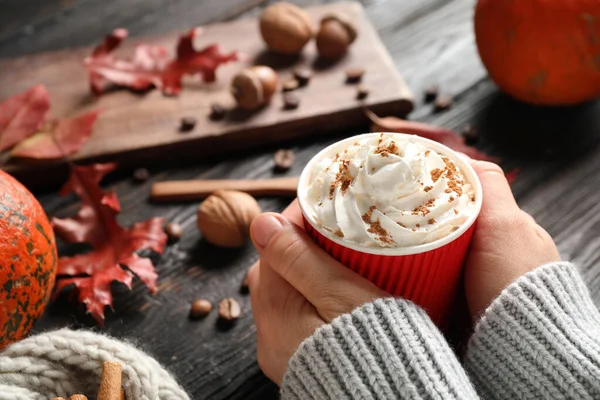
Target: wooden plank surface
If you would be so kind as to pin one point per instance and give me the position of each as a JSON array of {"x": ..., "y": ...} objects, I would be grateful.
[
  {"x": 134, "y": 128},
  {"x": 431, "y": 41}
]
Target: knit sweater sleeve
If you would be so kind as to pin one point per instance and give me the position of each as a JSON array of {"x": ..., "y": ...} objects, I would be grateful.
[
  {"x": 387, "y": 349},
  {"x": 540, "y": 339}
]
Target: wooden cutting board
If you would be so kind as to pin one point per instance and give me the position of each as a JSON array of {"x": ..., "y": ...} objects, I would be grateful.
[{"x": 142, "y": 129}]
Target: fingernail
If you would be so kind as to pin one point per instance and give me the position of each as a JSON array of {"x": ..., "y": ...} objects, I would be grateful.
[{"x": 263, "y": 228}]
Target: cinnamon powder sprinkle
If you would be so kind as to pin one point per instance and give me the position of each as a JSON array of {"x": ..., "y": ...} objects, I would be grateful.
[
  {"x": 455, "y": 187},
  {"x": 427, "y": 152},
  {"x": 418, "y": 225},
  {"x": 450, "y": 165},
  {"x": 391, "y": 148},
  {"x": 338, "y": 233},
  {"x": 455, "y": 211},
  {"x": 422, "y": 209},
  {"x": 375, "y": 227},
  {"x": 451, "y": 199},
  {"x": 436, "y": 173},
  {"x": 342, "y": 178},
  {"x": 427, "y": 188},
  {"x": 431, "y": 221},
  {"x": 381, "y": 233}
]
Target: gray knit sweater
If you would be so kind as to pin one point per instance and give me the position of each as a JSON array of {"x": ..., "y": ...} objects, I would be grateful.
[{"x": 540, "y": 339}]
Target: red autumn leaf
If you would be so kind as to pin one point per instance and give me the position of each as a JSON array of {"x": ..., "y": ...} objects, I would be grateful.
[
  {"x": 114, "y": 256},
  {"x": 441, "y": 135},
  {"x": 21, "y": 115},
  {"x": 151, "y": 66},
  {"x": 58, "y": 138},
  {"x": 189, "y": 61},
  {"x": 140, "y": 73}
]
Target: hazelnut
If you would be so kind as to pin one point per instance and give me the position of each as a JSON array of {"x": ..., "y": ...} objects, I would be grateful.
[
  {"x": 335, "y": 35},
  {"x": 285, "y": 28},
  {"x": 224, "y": 218},
  {"x": 254, "y": 87}
]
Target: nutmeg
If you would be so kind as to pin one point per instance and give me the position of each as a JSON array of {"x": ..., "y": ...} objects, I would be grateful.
[
  {"x": 286, "y": 28},
  {"x": 224, "y": 218},
  {"x": 254, "y": 86},
  {"x": 335, "y": 35}
]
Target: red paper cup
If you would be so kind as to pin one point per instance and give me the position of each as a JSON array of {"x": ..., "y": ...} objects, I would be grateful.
[{"x": 427, "y": 274}]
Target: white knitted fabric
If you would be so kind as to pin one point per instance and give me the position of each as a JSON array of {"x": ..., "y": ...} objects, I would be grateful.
[{"x": 65, "y": 362}]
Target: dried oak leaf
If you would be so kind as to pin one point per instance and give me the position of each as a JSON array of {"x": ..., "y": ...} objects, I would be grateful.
[
  {"x": 57, "y": 138},
  {"x": 441, "y": 135},
  {"x": 21, "y": 115},
  {"x": 151, "y": 65},
  {"x": 114, "y": 256}
]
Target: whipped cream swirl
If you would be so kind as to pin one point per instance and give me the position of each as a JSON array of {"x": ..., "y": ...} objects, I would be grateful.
[{"x": 389, "y": 190}]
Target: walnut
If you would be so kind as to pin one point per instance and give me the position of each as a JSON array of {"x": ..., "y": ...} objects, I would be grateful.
[
  {"x": 335, "y": 35},
  {"x": 224, "y": 218},
  {"x": 285, "y": 28},
  {"x": 254, "y": 86}
]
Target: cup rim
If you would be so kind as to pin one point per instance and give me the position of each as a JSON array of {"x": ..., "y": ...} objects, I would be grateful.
[{"x": 464, "y": 166}]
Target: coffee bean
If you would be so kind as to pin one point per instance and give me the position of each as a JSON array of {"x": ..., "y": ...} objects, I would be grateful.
[
  {"x": 442, "y": 103},
  {"x": 290, "y": 84},
  {"x": 173, "y": 231},
  {"x": 290, "y": 101},
  {"x": 244, "y": 288},
  {"x": 302, "y": 75},
  {"x": 431, "y": 93},
  {"x": 187, "y": 124},
  {"x": 284, "y": 159},
  {"x": 217, "y": 112},
  {"x": 200, "y": 308},
  {"x": 229, "y": 309},
  {"x": 470, "y": 134},
  {"x": 354, "y": 75},
  {"x": 141, "y": 175},
  {"x": 362, "y": 92}
]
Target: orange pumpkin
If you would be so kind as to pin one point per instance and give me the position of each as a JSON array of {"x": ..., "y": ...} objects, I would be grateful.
[
  {"x": 27, "y": 260},
  {"x": 539, "y": 51}
]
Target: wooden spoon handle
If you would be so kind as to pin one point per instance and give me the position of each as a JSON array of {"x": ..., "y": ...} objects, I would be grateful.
[{"x": 198, "y": 189}]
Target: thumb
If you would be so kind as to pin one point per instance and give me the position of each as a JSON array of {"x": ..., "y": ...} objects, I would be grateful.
[
  {"x": 497, "y": 195},
  {"x": 326, "y": 283}
]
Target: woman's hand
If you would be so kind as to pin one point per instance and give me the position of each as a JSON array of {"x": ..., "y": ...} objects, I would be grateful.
[
  {"x": 507, "y": 242},
  {"x": 295, "y": 288}
]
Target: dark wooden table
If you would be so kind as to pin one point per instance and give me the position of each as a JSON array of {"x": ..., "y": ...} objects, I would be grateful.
[{"x": 431, "y": 41}]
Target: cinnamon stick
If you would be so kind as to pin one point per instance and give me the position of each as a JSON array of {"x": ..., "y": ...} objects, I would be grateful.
[
  {"x": 198, "y": 189},
  {"x": 110, "y": 385}
]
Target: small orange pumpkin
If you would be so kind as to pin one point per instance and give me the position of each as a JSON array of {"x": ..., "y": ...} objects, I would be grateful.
[
  {"x": 28, "y": 260},
  {"x": 539, "y": 51}
]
